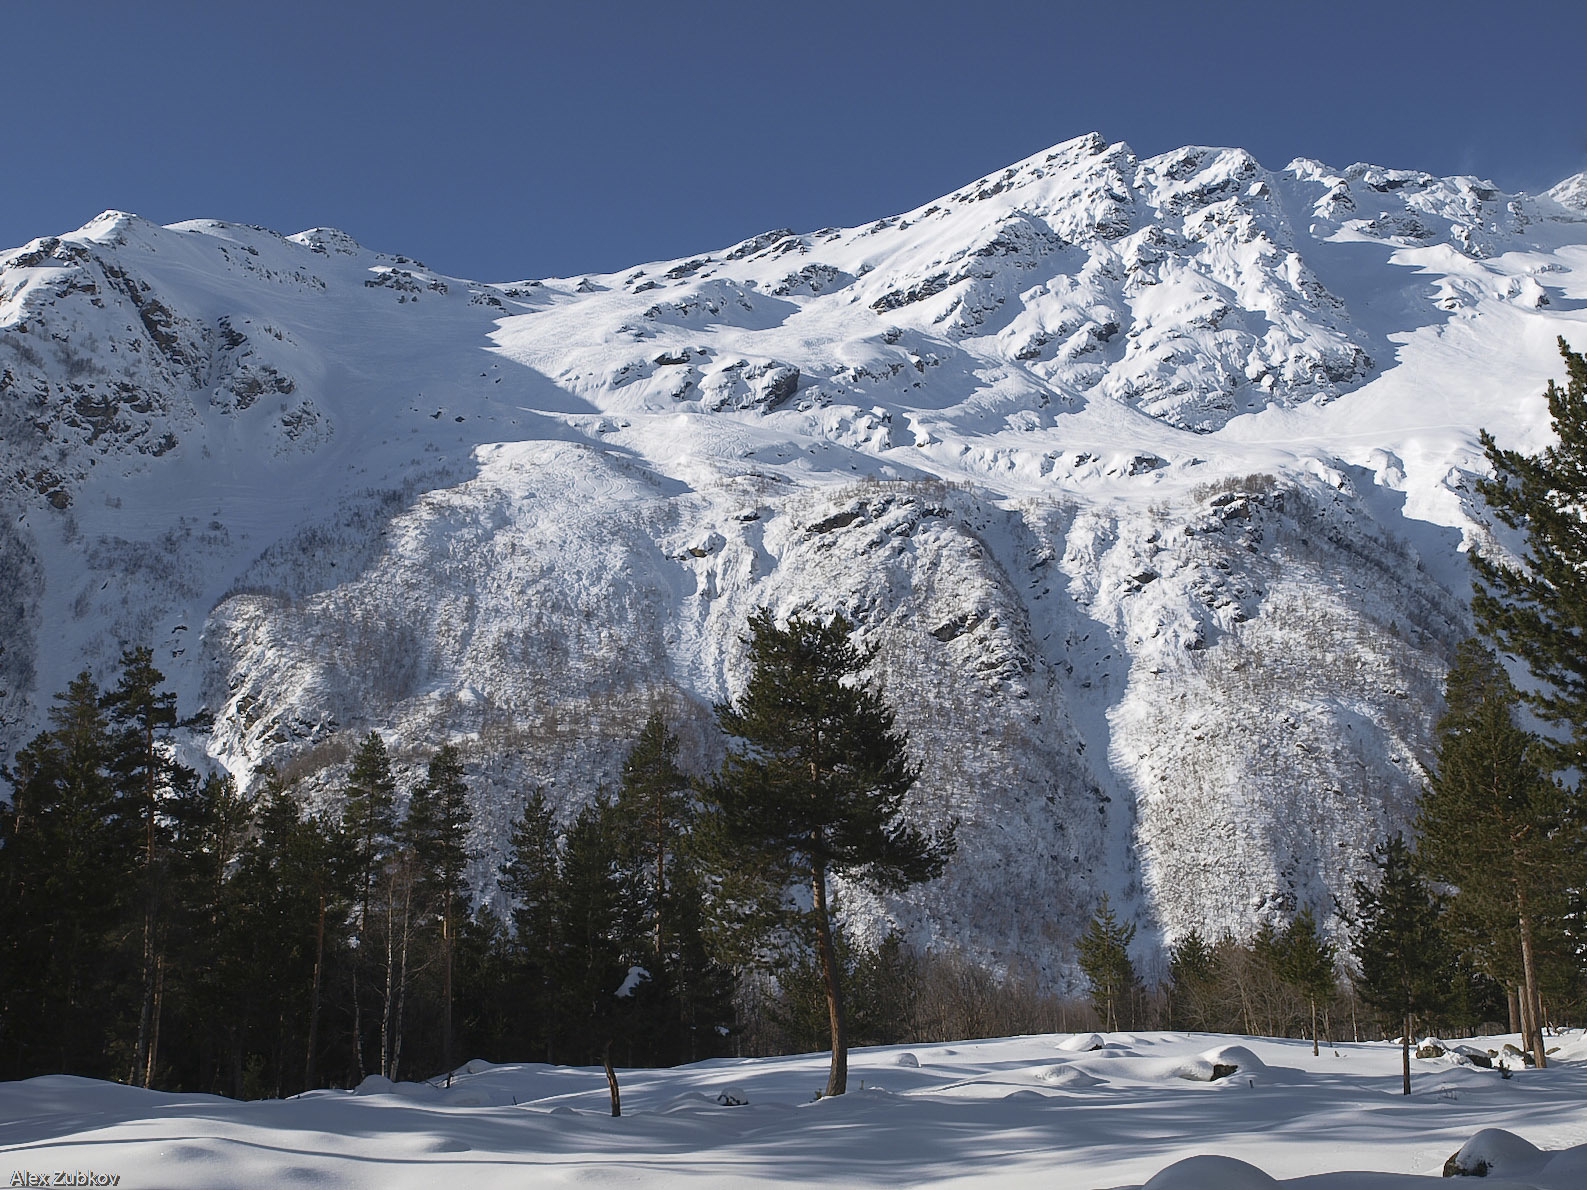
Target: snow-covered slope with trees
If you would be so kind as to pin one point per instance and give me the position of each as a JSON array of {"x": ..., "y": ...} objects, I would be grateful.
[{"x": 1150, "y": 477}]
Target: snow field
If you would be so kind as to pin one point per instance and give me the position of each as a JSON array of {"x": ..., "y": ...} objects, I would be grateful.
[{"x": 1085, "y": 1112}]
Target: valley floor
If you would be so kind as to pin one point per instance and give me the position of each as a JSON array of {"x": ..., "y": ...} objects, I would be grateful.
[{"x": 1026, "y": 1111}]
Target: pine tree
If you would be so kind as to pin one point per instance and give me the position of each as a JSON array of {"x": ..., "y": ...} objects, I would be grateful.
[
  {"x": 1399, "y": 945},
  {"x": 294, "y": 889},
  {"x": 1105, "y": 960},
  {"x": 1537, "y": 611},
  {"x": 598, "y": 930},
  {"x": 369, "y": 822},
  {"x": 530, "y": 880},
  {"x": 1306, "y": 963},
  {"x": 677, "y": 1012},
  {"x": 436, "y": 830},
  {"x": 142, "y": 716},
  {"x": 1495, "y": 827},
  {"x": 654, "y": 812},
  {"x": 1192, "y": 973},
  {"x": 66, "y": 869},
  {"x": 814, "y": 786}
]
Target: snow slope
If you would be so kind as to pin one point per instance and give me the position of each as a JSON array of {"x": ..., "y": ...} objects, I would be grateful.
[
  {"x": 1152, "y": 477},
  {"x": 1080, "y": 1111}
]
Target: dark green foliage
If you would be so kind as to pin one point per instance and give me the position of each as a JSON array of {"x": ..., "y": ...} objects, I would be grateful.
[
  {"x": 675, "y": 1014},
  {"x": 65, "y": 859},
  {"x": 530, "y": 879},
  {"x": 817, "y": 777},
  {"x": 1406, "y": 968},
  {"x": 1305, "y": 961},
  {"x": 436, "y": 831},
  {"x": 1105, "y": 960},
  {"x": 369, "y": 823},
  {"x": 1496, "y": 828},
  {"x": 882, "y": 986},
  {"x": 1538, "y": 610},
  {"x": 595, "y": 918},
  {"x": 369, "y": 815},
  {"x": 1192, "y": 972},
  {"x": 813, "y": 786}
]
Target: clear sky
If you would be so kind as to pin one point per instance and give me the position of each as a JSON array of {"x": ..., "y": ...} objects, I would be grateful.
[{"x": 499, "y": 140}]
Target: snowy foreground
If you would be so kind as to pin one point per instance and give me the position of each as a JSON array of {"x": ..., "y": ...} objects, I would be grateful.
[{"x": 1049, "y": 1111}]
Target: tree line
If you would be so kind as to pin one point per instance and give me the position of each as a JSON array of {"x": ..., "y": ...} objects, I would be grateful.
[{"x": 162, "y": 929}]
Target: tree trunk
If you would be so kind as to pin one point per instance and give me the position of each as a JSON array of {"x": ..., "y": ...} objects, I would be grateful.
[
  {"x": 358, "y": 1021},
  {"x": 446, "y": 987},
  {"x": 611, "y": 1082},
  {"x": 838, "y": 1079},
  {"x": 1405, "y": 1053},
  {"x": 314, "y": 998},
  {"x": 1526, "y": 1017},
  {"x": 1314, "y": 1026},
  {"x": 154, "y": 1024},
  {"x": 402, "y": 980},
  {"x": 390, "y": 995},
  {"x": 1529, "y": 966},
  {"x": 1515, "y": 1008}
]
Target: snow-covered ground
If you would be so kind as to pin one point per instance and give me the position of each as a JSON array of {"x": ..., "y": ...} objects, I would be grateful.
[{"x": 1066, "y": 1110}]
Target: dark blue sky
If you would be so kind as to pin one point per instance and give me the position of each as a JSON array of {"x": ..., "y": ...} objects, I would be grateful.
[{"x": 502, "y": 140}]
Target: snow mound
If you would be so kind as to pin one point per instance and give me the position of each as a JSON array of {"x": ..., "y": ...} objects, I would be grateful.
[
  {"x": 377, "y": 1084},
  {"x": 1065, "y": 1076},
  {"x": 1081, "y": 1042},
  {"x": 1494, "y": 1151},
  {"x": 1203, "y": 1070},
  {"x": 907, "y": 1059},
  {"x": 1234, "y": 1055},
  {"x": 1210, "y": 1173}
]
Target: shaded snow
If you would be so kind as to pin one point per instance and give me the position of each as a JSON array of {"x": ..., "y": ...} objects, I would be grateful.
[{"x": 1036, "y": 1111}]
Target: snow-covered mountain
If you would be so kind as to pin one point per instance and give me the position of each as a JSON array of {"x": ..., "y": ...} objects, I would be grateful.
[{"x": 1152, "y": 478}]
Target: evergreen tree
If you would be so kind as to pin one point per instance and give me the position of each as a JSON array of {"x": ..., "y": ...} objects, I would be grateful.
[
  {"x": 687, "y": 995},
  {"x": 148, "y": 780},
  {"x": 1494, "y": 826},
  {"x": 530, "y": 880},
  {"x": 1306, "y": 963},
  {"x": 369, "y": 815},
  {"x": 437, "y": 829},
  {"x": 1538, "y": 610},
  {"x": 814, "y": 786},
  {"x": 598, "y": 929},
  {"x": 293, "y": 891},
  {"x": 654, "y": 811},
  {"x": 1105, "y": 960},
  {"x": 65, "y": 870},
  {"x": 1399, "y": 945},
  {"x": 369, "y": 822},
  {"x": 1192, "y": 973}
]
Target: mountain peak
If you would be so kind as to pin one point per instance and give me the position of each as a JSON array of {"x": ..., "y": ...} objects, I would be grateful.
[{"x": 1571, "y": 192}]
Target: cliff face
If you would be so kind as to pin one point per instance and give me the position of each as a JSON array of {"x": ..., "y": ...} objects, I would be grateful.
[{"x": 1151, "y": 478}]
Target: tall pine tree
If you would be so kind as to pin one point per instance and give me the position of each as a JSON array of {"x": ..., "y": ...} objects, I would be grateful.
[
  {"x": 149, "y": 780},
  {"x": 1105, "y": 960},
  {"x": 814, "y": 786},
  {"x": 66, "y": 865},
  {"x": 1537, "y": 610},
  {"x": 1399, "y": 945},
  {"x": 369, "y": 820},
  {"x": 1306, "y": 963},
  {"x": 1494, "y": 826},
  {"x": 437, "y": 831},
  {"x": 530, "y": 879}
]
